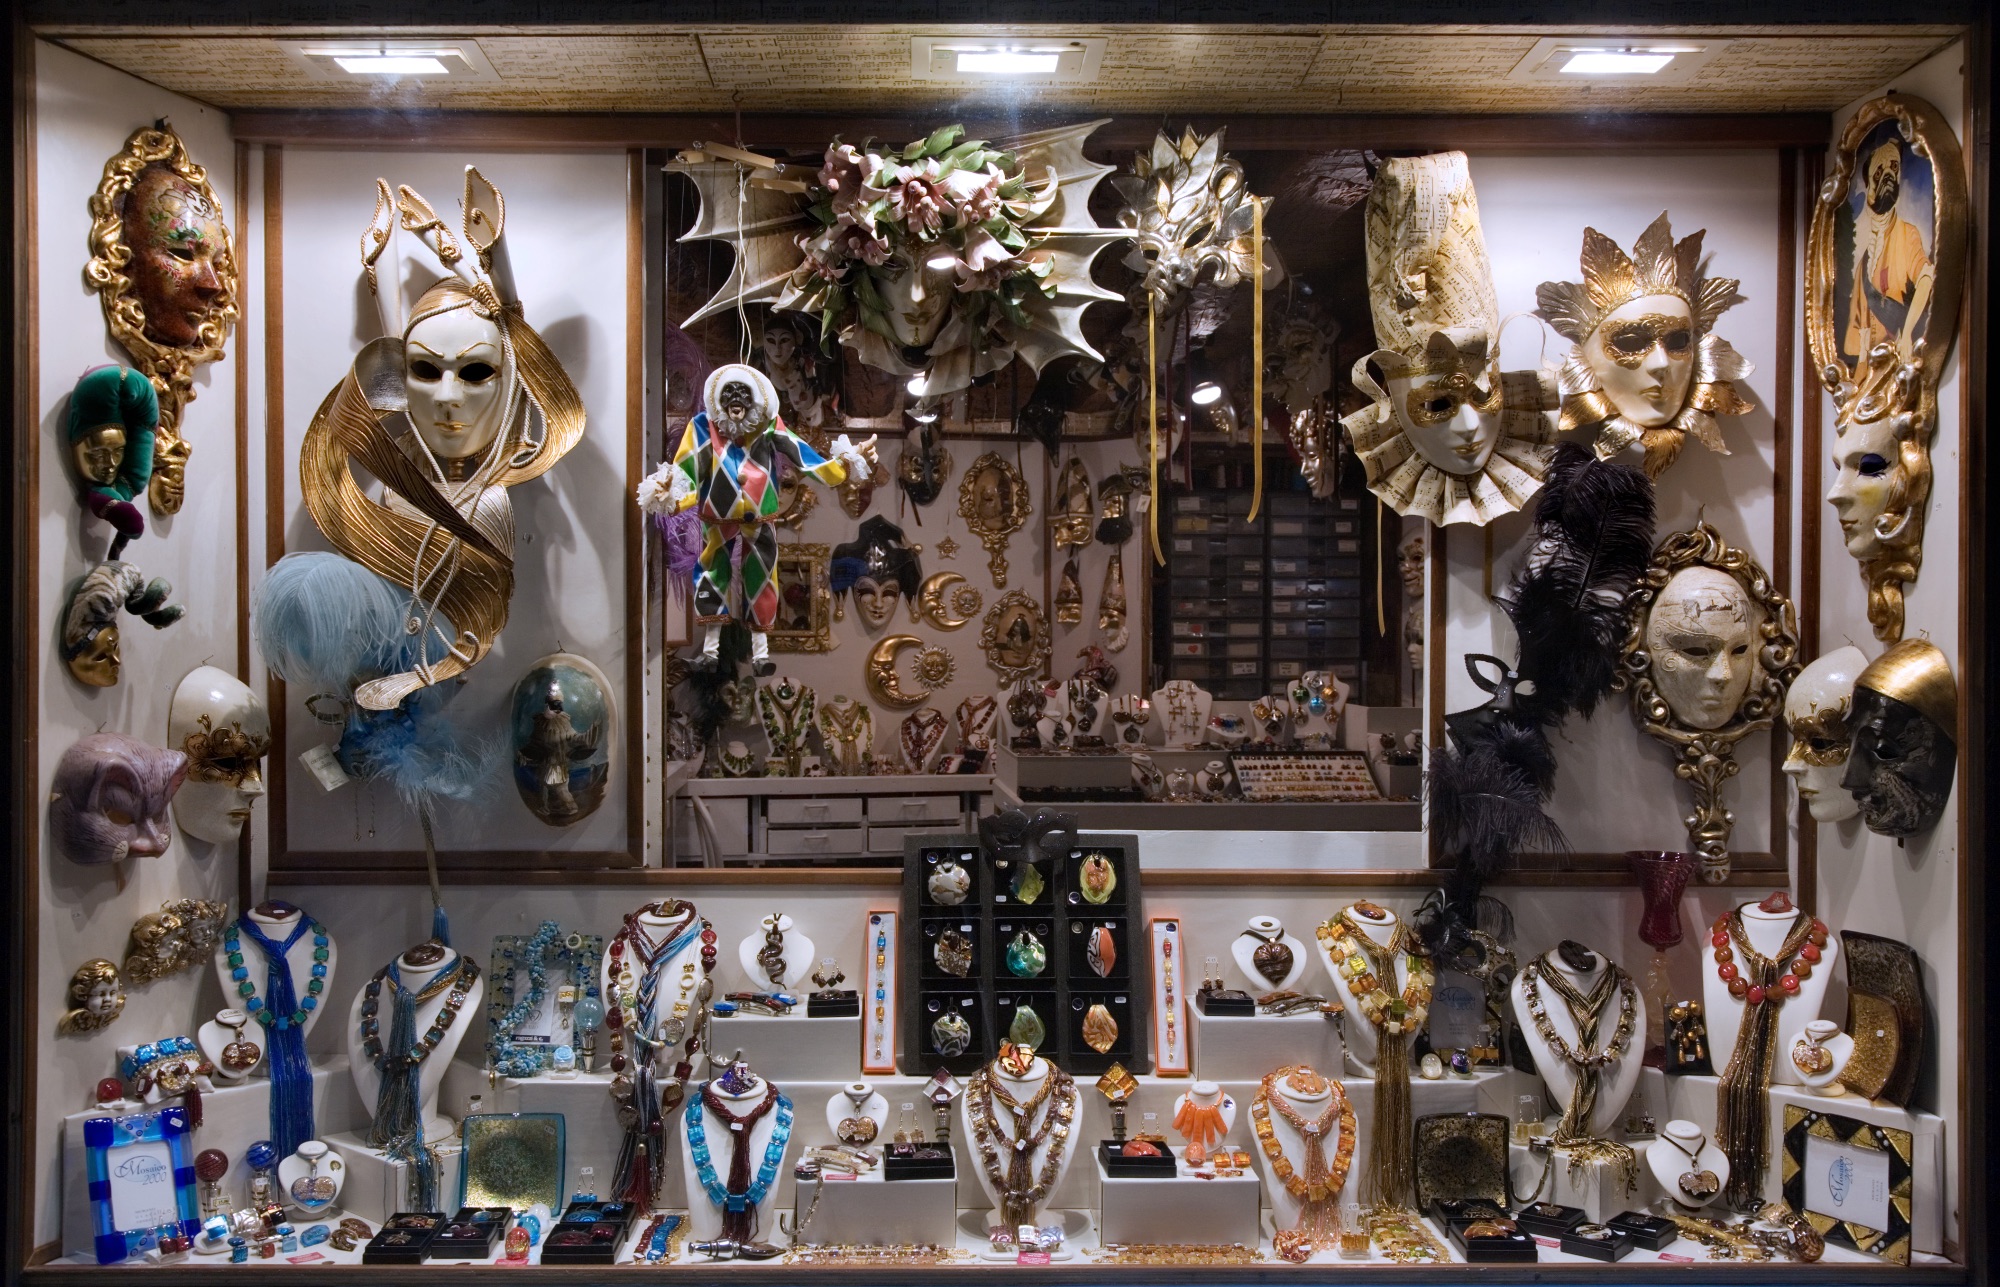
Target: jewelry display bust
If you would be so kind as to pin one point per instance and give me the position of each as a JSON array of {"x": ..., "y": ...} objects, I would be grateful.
[
  {"x": 277, "y": 921},
  {"x": 1268, "y": 957},
  {"x": 233, "y": 1043},
  {"x": 1203, "y": 1116},
  {"x": 855, "y": 1113},
  {"x": 739, "y": 1110},
  {"x": 678, "y": 972},
  {"x": 310, "y": 1180},
  {"x": 1817, "y": 1053},
  {"x": 418, "y": 967},
  {"x": 1690, "y": 1167},
  {"x": 1592, "y": 976},
  {"x": 1047, "y": 1100},
  {"x": 791, "y": 947},
  {"x": 1182, "y": 708},
  {"x": 1765, "y": 925},
  {"x": 1381, "y": 927},
  {"x": 1302, "y": 1183}
]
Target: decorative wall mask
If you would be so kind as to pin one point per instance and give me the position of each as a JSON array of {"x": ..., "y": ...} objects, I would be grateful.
[
  {"x": 805, "y": 600},
  {"x": 1190, "y": 211},
  {"x": 808, "y": 399},
  {"x": 110, "y": 424},
  {"x": 163, "y": 267},
  {"x": 923, "y": 467},
  {"x": 180, "y": 936},
  {"x": 1905, "y": 749},
  {"x": 993, "y": 501},
  {"x": 1885, "y": 264},
  {"x": 96, "y": 997},
  {"x": 1069, "y": 594},
  {"x": 1446, "y": 435},
  {"x": 946, "y": 601},
  {"x": 1015, "y": 638},
  {"x": 880, "y": 567},
  {"x": 563, "y": 727},
  {"x": 1114, "y": 504},
  {"x": 109, "y": 799},
  {"x": 90, "y": 634},
  {"x": 450, "y": 408},
  {"x": 1111, "y": 603},
  {"x": 1648, "y": 367},
  {"x": 225, "y": 732},
  {"x": 947, "y": 258},
  {"x": 1818, "y": 710},
  {"x": 1071, "y": 512},
  {"x": 1710, "y": 648},
  {"x": 884, "y": 683}
]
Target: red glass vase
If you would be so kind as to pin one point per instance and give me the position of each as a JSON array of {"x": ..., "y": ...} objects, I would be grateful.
[{"x": 1662, "y": 876}]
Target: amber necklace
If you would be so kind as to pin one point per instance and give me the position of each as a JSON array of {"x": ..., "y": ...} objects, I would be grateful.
[{"x": 1018, "y": 1194}]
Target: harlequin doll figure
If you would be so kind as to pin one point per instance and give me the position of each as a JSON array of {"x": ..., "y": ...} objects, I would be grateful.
[
  {"x": 727, "y": 464},
  {"x": 113, "y": 415}
]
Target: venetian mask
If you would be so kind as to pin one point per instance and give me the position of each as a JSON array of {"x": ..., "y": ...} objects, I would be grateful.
[
  {"x": 1905, "y": 750},
  {"x": 1642, "y": 354},
  {"x": 1702, "y": 635},
  {"x": 876, "y": 601},
  {"x": 179, "y": 255},
  {"x": 881, "y": 569},
  {"x": 452, "y": 367},
  {"x": 109, "y": 799},
  {"x": 90, "y": 635},
  {"x": 561, "y": 723},
  {"x": 1449, "y": 409},
  {"x": 99, "y": 453},
  {"x": 223, "y": 729},
  {"x": 1817, "y": 710},
  {"x": 741, "y": 403},
  {"x": 169, "y": 486}
]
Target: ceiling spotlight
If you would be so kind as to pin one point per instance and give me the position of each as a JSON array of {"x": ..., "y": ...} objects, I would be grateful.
[
  {"x": 987, "y": 61},
  {"x": 391, "y": 65},
  {"x": 1571, "y": 59},
  {"x": 1207, "y": 393},
  {"x": 1615, "y": 62},
  {"x": 917, "y": 383},
  {"x": 924, "y": 417},
  {"x": 1007, "y": 62}
]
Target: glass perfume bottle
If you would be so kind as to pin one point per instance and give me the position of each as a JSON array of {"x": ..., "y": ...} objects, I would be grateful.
[
  {"x": 262, "y": 1157},
  {"x": 1354, "y": 1239}
]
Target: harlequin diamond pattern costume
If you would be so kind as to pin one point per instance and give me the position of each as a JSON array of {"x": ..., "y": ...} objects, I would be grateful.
[{"x": 727, "y": 464}]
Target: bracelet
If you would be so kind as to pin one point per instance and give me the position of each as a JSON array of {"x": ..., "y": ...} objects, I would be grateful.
[{"x": 1807, "y": 1243}]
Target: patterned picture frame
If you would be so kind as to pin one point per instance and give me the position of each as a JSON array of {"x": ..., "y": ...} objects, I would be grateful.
[
  {"x": 803, "y": 576},
  {"x": 126, "y": 1161},
  {"x": 1897, "y": 1146}
]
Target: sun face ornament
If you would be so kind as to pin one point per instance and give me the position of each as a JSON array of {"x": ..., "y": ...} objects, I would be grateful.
[{"x": 1648, "y": 369}]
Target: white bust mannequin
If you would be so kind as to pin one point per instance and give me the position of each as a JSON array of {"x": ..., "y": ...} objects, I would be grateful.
[
  {"x": 1816, "y": 710},
  {"x": 416, "y": 973},
  {"x": 799, "y": 955},
  {"x": 679, "y": 973},
  {"x": 1022, "y": 1088},
  {"x": 857, "y": 1100},
  {"x": 308, "y": 1201},
  {"x": 1766, "y": 931},
  {"x": 1320, "y": 725},
  {"x": 1616, "y": 1082},
  {"x": 1363, "y": 1039},
  {"x": 1311, "y": 1106},
  {"x": 227, "y": 1028},
  {"x": 1208, "y": 1094},
  {"x": 276, "y": 921},
  {"x": 1825, "y": 1034},
  {"x": 1262, "y": 930},
  {"x": 226, "y": 732},
  {"x": 1180, "y": 708},
  {"x": 1680, "y": 1149},
  {"x": 704, "y": 1217}
]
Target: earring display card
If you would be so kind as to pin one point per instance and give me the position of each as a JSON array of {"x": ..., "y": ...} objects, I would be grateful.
[{"x": 1047, "y": 955}]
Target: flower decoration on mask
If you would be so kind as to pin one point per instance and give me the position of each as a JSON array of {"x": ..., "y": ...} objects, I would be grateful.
[
  {"x": 1446, "y": 435},
  {"x": 450, "y": 408},
  {"x": 880, "y": 568},
  {"x": 164, "y": 269},
  {"x": 112, "y": 418},
  {"x": 1648, "y": 367},
  {"x": 90, "y": 636}
]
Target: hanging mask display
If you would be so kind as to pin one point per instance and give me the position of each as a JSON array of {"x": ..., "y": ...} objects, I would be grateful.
[
  {"x": 109, "y": 799},
  {"x": 946, "y": 601},
  {"x": 90, "y": 636},
  {"x": 886, "y": 684},
  {"x": 562, "y": 723},
  {"x": 1818, "y": 713},
  {"x": 164, "y": 270},
  {"x": 1111, "y": 604},
  {"x": 993, "y": 501},
  {"x": 880, "y": 568},
  {"x": 1710, "y": 648},
  {"x": 1069, "y": 594},
  {"x": 1446, "y": 436},
  {"x": 1648, "y": 368},
  {"x": 110, "y": 423},
  {"x": 1905, "y": 748},
  {"x": 923, "y": 467},
  {"x": 225, "y": 732},
  {"x": 1070, "y": 508}
]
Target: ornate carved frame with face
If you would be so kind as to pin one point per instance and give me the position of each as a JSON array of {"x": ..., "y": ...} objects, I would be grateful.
[
  {"x": 1015, "y": 637},
  {"x": 164, "y": 268},
  {"x": 993, "y": 501},
  {"x": 804, "y": 595},
  {"x": 1672, "y": 710},
  {"x": 1885, "y": 397}
]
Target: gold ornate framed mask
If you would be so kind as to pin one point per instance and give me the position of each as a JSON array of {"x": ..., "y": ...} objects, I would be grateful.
[
  {"x": 164, "y": 269},
  {"x": 993, "y": 501},
  {"x": 1015, "y": 638},
  {"x": 805, "y": 600},
  {"x": 1885, "y": 266},
  {"x": 1710, "y": 647}
]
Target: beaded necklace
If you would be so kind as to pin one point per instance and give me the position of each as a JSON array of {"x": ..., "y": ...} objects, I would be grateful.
[
  {"x": 1367, "y": 969},
  {"x": 459, "y": 977},
  {"x": 291, "y": 1070},
  {"x": 1019, "y": 1198},
  {"x": 641, "y": 1103},
  {"x": 740, "y": 1198},
  {"x": 1763, "y": 984},
  {"x": 274, "y": 954},
  {"x": 1587, "y": 1012},
  {"x": 1319, "y": 1220}
]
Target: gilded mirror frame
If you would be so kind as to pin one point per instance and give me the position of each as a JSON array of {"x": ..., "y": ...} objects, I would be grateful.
[
  {"x": 994, "y": 533},
  {"x": 1011, "y": 606},
  {"x": 812, "y": 566}
]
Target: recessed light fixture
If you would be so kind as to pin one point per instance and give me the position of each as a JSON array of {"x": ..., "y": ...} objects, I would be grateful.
[
  {"x": 1579, "y": 59},
  {"x": 383, "y": 62},
  {"x": 391, "y": 64},
  {"x": 1003, "y": 60}
]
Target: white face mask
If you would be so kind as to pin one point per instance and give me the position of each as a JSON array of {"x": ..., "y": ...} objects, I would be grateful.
[
  {"x": 225, "y": 732},
  {"x": 1444, "y": 423},
  {"x": 1817, "y": 706},
  {"x": 1642, "y": 354},
  {"x": 1867, "y": 463},
  {"x": 452, "y": 368},
  {"x": 876, "y": 600},
  {"x": 1702, "y": 633}
]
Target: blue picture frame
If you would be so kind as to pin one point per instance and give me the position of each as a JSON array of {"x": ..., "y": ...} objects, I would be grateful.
[{"x": 126, "y": 1160}]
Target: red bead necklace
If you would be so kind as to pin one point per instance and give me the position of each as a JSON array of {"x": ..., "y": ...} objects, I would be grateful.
[{"x": 1798, "y": 955}]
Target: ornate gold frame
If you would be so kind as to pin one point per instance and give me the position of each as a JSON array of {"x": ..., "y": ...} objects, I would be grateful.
[
  {"x": 1708, "y": 756},
  {"x": 1889, "y": 387},
  {"x": 817, "y": 560},
  {"x": 170, "y": 369},
  {"x": 1004, "y": 609},
  {"x": 994, "y": 536}
]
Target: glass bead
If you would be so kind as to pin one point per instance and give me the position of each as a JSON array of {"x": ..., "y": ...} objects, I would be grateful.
[
  {"x": 1720, "y": 938},
  {"x": 1789, "y": 984},
  {"x": 236, "y": 958},
  {"x": 321, "y": 954},
  {"x": 1737, "y": 988},
  {"x": 1809, "y": 953},
  {"x": 319, "y": 971},
  {"x": 1728, "y": 972},
  {"x": 1755, "y": 995},
  {"x": 245, "y": 990},
  {"x": 239, "y": 974}
]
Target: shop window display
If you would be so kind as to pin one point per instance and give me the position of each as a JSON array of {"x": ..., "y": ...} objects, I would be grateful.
[{"x": 1326, "y": 529}]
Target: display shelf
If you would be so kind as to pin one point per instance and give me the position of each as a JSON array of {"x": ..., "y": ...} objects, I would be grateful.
[
  {"x": 869, "y": 1210},
  {"x": 1229, "y": 815},
  {"x": 1181, "y": 1208},
  {"x": 823, "y": 821}
]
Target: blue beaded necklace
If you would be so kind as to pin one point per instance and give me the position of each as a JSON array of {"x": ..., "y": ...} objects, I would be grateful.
[
  {"x": 737, "y": 1207},
  {"x": 284, "y": 1018}
]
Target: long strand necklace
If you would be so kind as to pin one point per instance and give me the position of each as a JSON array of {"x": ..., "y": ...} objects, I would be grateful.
[
  {"x": 641, "y": 1104},
  {"x": 741, "y": 1196},
  {"x": 1572, "y": 1135},
  {"x": 1368, "y": 970},
  {"x": 398, "y": 1128},
  {"x": 1764, "y": 983},
  {"x": 1019, "y": 1189},
  {"x": 1316, "y": 1189},
  {"x": 284, "y": 1019}
]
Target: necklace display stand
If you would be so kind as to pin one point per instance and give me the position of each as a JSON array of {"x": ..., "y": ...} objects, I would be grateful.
[
  {"x": 798, "y": 954},
  {"x": 230, "y": 1028},
  {"x": 1181, "y": 707},
  {"x": 1023, "y": 1088},
  {"x": 1286, "y": 1207},
  {"x": 368, "y": 1078},
  {"x": 704, "y": 1217},
  {"x": 670, "y": 970},
  {"x": 856, "y": 1101},
  {"x": 1825, "y": 1034},
  {"x": 1616, "y": 1082},
  {"x": 1361, "y": 1036},
  {"x": 276, "y": 921},
  {"x": 1766, "y": 931},
  {"x": 1196, "y": 1098},
  {"x": 1268, "y": 930},
  {"x": 1683, "y": 1149},
  {"x": 319, "y": 1198}
]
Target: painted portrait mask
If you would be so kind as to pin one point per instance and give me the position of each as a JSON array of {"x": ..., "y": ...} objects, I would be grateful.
[
  {"x": 453, "y": 367},
  {"x": 1905, "y": 749},
  {"x": 1647, "y": 368},
  {"x": 90, "y": 636},
  {"x": 1702, "y": 634},
  {"x": 1818, "y": 707},
  {"x": 225, "y": 733},
  {"x": 109, "y": 799},
  {"x": 561, "y": 720},
  {"x": 174, "y": 231}
]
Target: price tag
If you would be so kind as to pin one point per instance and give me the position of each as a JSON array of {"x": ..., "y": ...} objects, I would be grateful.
[
  {"x": 1674, "y": 1258},
  {"x": 321, "y": 762},
  {"x": 1552, "y": 1244},
  {"x": 1032, "y": 1258},
  {"x": 306, "y": 1258}
]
